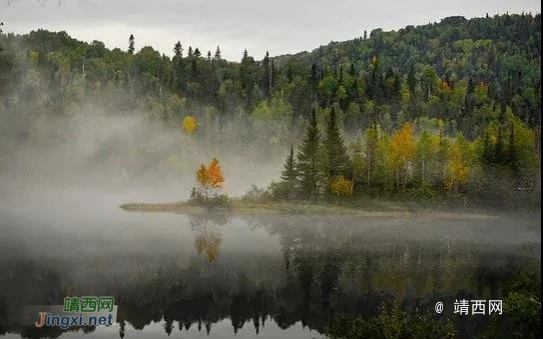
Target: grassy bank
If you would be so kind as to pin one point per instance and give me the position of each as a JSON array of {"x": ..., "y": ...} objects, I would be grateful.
[{"x": 371, "y": 209}]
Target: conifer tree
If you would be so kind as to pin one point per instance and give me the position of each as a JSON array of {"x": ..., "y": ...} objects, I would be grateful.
[
  {"x": 338, "y": 160},
  {"x": 314, "y": 76},
  {"x": 289, "y": 177},
  {"x": 131, "y": 44},
  {"x": 178, "y": 49},
  {"x": 372, "y": 154},
  {"x": 308, "y": 165},
  {"x": 266, "y": 75},
  {"x": 1, "y": 24},
  {"x": 218, "y": 54}
]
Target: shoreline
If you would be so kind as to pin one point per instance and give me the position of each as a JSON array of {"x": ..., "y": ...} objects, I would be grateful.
[{"x": 246, "y": 208}]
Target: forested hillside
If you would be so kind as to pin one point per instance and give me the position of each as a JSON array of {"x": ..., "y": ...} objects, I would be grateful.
[
  {"x": 460, "y": 70},
  {"x": 463, "y": 91}
]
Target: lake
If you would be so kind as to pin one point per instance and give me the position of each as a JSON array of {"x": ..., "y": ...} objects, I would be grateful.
[{"x": 224, "y": 276}]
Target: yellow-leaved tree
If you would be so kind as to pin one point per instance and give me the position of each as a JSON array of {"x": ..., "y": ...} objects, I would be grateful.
[
  {"x": 210, "y": 180},
  {"x": 402, "y": 149},
  {"x": 190, "y": 124},
  {"x": 458, "y": 167},
  {"x": 341, "y": 187}
]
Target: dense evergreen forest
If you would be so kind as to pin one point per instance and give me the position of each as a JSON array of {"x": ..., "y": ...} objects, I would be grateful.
[{"x": 445, "y": 107}]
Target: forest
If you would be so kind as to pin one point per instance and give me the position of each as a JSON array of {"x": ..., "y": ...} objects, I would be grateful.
[{"x": 444, "y": 109}]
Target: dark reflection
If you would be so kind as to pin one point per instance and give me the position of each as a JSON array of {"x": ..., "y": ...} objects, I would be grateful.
[{"x": 323, "y": 268}]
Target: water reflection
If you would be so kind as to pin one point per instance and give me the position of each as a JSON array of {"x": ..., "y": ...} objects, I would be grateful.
[
  {"x": 207, "y": 235},
  {"x": 292, "y": 272}
]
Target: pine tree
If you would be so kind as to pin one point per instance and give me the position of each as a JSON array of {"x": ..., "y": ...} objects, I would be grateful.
[
  {"x": 217, "y": 54},
  {"x": 131, "y": 44},
  {"x": 266, "y": 76},
  {"x": 1, "y": 24},
  {"x": 376, "y": 82},
  {"x": 289, "y": 177},
  {"x": 178, "y": 49},
  {"x": 314, "y": 77},
  {"x": 338, "y": 160},
  {"x": 273, "y": 73},
  {"x": 411, "y": 80},
  {"x": 308, "y": 165},
  {"x": 122, "y": 329}
]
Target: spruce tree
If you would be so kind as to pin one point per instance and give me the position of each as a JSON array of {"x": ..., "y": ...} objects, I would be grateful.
[
  {"x": 1, "y": 24},
  {"x": 308, "y": 165},
  {"x": 178, "y": 49},
  {"x": 289, "y": 177},
  {"x": 314, "y": 77},
  {"x": 273, "y": 73},
  {"x": 218, "y": 54},
  {"x": 266, "y": 75},
  {"x": 338, "y": 160},
  {"x": 131, "y": 44}
]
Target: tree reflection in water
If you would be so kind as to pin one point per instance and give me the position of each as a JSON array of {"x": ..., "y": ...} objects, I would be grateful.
[
  {"x": 318, "y": 269},
  {"x": 207, "y": 237}
]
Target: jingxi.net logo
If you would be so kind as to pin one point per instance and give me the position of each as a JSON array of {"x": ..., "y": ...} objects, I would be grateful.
[{"x": 76, "y": 311}]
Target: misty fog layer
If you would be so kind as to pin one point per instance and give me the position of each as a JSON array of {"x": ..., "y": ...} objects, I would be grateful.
[{"x": 88, "y": 156}]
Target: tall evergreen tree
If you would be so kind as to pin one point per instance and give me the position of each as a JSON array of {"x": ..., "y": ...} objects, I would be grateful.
[
  {"x": 178, "y": 49},
  {"x": 411, "y": 79},
  {"x": 218, "y": 54},
  {"x": 308, "y": 164},
  {"x": 1, "y": 24},
  {"x": 266, "y": 75},
  {"x": 131, "y": 44},
  {"x": 273, "y": 73},
  {"x": 289, "y": 177},
  {"x": 314, "y": 76},
  {"x": 338, "y": 160}
]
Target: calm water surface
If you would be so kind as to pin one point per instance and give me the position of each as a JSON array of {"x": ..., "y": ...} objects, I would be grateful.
[{"x": 218, "y": 276}]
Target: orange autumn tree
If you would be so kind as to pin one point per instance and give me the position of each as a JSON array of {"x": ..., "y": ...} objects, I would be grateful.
[{"x": 210, "y": 181}]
